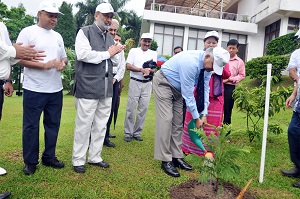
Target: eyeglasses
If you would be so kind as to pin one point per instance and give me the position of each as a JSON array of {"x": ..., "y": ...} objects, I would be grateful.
[{"x": 147, "y": 40}]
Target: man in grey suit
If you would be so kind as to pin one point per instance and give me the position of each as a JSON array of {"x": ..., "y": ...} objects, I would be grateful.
[{"x": 93, "y": 88}]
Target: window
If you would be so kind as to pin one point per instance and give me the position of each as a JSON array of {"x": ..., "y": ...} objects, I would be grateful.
[
  {"x": 242, "y": 39},
  {"x": 196, "y": 39},
  {"x": 167, "y": 38},
  {"x": 293, "y": 25},
  {"x": 271, "y": 32}
]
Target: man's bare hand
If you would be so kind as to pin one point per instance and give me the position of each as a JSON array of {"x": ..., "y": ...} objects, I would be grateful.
[
  {"x": 115, "y": 49},
  {"x": 8, "y": 89},
  {"x": 146, "y": 71},
  {"x": 55, "y": 63},
  {"x": 28, "y": 52}
]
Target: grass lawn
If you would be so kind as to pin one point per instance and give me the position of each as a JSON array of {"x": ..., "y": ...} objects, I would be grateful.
[{"x": 133, "y": 173}]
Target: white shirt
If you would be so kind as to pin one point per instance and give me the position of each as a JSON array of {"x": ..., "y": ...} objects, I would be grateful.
[
  {"x": 43, "y": 81},
  {"x": 119, "y": 70},
  {"x": 295, "y": 61},
  {"x": 7, "y": 53},
  {"x": 137, "y": 57}
]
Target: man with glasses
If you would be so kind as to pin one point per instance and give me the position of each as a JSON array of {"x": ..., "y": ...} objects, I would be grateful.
[
  {"x": 93, "y": 88},
  {"x": 43, "y": 88},
  {"x": 118, "y": 74},
  {"x": 139, "y": 91}
]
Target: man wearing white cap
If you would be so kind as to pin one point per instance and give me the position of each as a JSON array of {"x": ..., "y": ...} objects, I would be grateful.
[
  {"x": 42, "y": 88},
  {"x": 9, "y": 55},
  {"x": 118, "y": 74},
  {"x": 140, "y": 87},
  {"x": 93, "y": 87},
  {"x": 176, "y": 79}
]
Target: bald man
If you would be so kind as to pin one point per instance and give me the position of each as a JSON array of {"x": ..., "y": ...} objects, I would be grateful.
[{"x": 118, "y": 74}]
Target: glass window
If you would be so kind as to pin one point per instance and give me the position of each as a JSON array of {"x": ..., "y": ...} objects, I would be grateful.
[
  {"x": 192, "y": 44},
  {"x": 166, "y": 39},
  {"x": 200, "y": 44},
  {"x": 178, "y": 31},
  {"x": 193, "y": 33},
  {"x": 169, "y": 30},
  {"x": 178, "y": 41},
  {"x": 159, "y": 39},
  {"x": 168, "y": 45},
  {"x": 158, "y": 29}
]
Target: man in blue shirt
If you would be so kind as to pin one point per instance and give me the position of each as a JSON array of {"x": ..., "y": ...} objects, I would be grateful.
[{"x": 176, "y": 79}]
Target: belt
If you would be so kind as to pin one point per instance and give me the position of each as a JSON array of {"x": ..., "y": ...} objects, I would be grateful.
[
  {"x": 2, "y": 82},
  {"x": 143, "y": 81}
]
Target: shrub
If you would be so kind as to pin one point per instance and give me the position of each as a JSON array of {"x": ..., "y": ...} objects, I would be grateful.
[
  {"x": 68, "y": 73},
  {"x": 282, "y": 45},
  {"x": 257, "y": 67}
]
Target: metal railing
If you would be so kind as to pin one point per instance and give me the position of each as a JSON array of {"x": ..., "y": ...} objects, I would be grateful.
[{"x": 200, "y": 12}]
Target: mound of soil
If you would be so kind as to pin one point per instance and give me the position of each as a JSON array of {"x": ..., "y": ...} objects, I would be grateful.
[{"x": 194, "y": 190}]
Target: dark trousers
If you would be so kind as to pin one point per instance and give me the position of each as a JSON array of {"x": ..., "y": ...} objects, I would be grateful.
[
  {"x": 34, "y": 104},
  {"x": 184, "y": 111},
  {"x": 1, "y": 97},
  {"x": 294, "y": 139},
  {"x": 228, "y": 103},
  {"x": 114, "y": 104}
]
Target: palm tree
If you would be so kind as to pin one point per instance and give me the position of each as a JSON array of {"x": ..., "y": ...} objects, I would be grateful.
[
  {"x": 85, "y": 15},
  {"x": 132, "y": 24}
]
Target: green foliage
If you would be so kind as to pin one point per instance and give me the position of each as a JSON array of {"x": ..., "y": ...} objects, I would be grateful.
[
  {"x": 282, "y": 45},
  {"x": 252, "y": 102},
  {"x": 154, "y": 45},
  {"x": 15, "y": 19},
  {"x": 222, "y": 167},
  {"x": 129, "y": 44},
  {"x": 132, "y": 25},
  {"x": 257, "y": 67},
  {"x": 69, "y": 71},
  {"x": 68, "y": 21}
]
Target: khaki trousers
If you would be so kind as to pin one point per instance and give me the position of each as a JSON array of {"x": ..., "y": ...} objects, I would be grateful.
[{"x": 168, "y": 127}]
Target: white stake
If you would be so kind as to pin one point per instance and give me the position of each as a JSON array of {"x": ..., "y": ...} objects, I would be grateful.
[{"x": 266, "y": 119}]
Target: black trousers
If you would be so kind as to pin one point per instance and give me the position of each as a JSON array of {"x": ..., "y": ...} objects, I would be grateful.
[
  {"x": 34, "y": 104},
  {"x": 294, "y": 139},
  {"x": 114, "y": 105},
  {"x": 1, "y": 97},
  {"x": 228, "y": 103}
]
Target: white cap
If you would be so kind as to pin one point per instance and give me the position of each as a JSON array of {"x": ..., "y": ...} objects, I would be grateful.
[
  {"x": 49, "y": 6},
  {"x": 212, "y": 34},
  {"x": 297, "y": 35},
  {"x": 147, "y": 36},
  {"x": 106, "y": 8},
  {"x": 221, "y": 58}
]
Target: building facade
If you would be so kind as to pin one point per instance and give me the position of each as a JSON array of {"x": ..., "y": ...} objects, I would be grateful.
[{"x": 252, "y": 22}]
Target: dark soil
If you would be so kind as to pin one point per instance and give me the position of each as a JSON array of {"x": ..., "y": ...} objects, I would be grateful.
[{"x": 194, "y": 190}]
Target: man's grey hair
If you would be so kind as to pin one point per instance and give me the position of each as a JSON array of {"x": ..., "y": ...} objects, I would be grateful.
[{"x": 209, "y": 52}]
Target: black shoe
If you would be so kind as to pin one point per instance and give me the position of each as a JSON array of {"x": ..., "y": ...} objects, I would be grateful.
[
  {"x": 179, "y": 162},
  {"x": 54, "y": 163},
  {"x": 138, "y": 138},
  {"x": 79, "y": 169},
  {"x": 4, "y": 195},
  {"x": 109, "y": 144},
  {"x": 29, "y": 169},
  {"x": 294, "y": 172},
  {"x": 100, "y": 164},
  {"x": 170, "y": 169},
  {"x": 112, "y": 135},
  {"x": 128, "y": 139},
  {"x": 297, "y": 184}
]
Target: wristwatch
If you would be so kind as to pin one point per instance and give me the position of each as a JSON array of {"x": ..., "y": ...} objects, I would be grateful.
[
  {"x": 8, "y": 80},
  {"x": 204, "y": 115}
]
